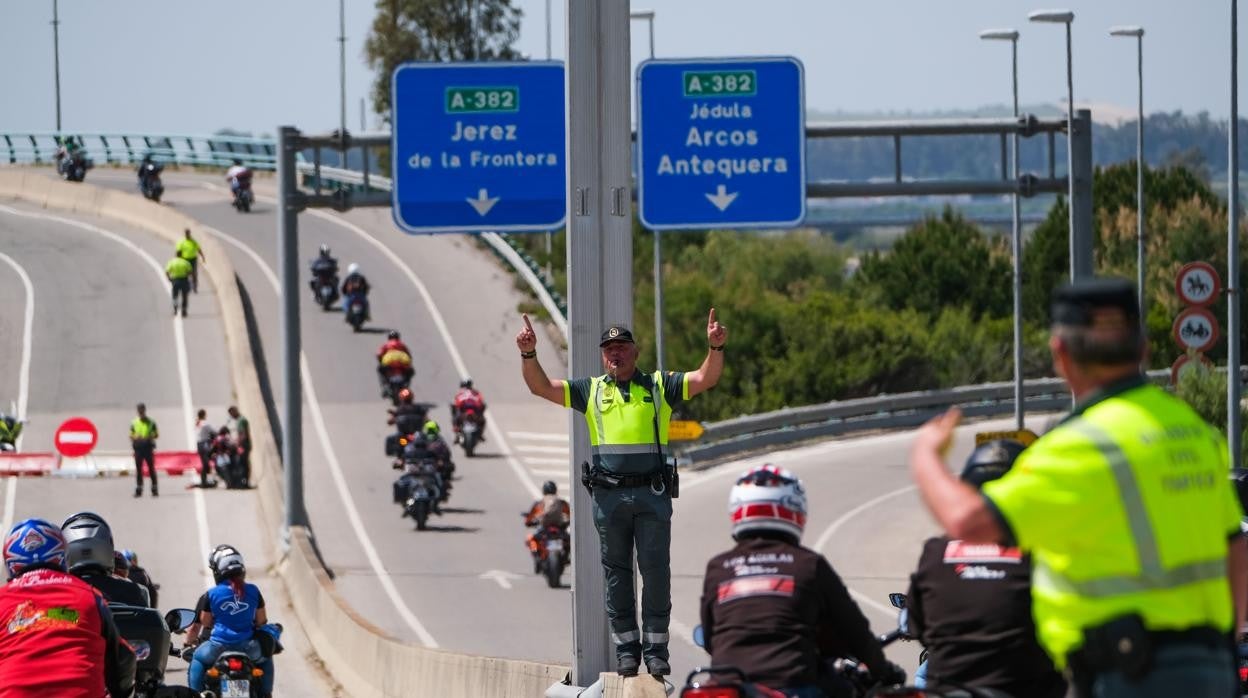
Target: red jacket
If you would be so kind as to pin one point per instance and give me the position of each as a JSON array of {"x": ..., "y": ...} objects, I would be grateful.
[
  {"x": 468, "y": 399},
  {"x": 392, "y": 344},
  {"x": 57, "y": 638}
]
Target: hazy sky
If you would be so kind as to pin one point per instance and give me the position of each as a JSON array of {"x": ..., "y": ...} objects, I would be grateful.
[{"x": 193, "y": 67}]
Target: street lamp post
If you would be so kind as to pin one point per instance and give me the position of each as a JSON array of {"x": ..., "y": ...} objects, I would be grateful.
[
  {"x": 1066, "y": 17},
  {"x": 1011, "y": 36},
  {"x": 342, "y": 77},
  {"x": 56, "y": 61},
  {"x": 648, "y": 15},
  {"x": 1138, "y": 34},
  {"x": 1233, "y": 436}
]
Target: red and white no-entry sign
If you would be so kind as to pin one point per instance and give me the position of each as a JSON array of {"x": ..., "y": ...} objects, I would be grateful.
[{"x": 76, "y": 437}]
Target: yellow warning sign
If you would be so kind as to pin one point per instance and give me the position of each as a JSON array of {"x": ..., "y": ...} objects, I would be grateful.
[
  {"x": 1024, "y": 436},
  {"x": 684, "y": 430}
]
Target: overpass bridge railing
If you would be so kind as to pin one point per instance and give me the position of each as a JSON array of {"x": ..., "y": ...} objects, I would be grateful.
[{"x": 127, "y": 148}]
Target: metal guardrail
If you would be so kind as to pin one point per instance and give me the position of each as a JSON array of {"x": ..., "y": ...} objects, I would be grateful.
[
  {"x": 788, "y": 426},
  {"x": 128, "y": 148}
]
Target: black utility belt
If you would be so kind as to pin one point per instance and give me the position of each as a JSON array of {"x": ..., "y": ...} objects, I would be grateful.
[
  {"x": 664, "y": 479},
  {"x": 1124, "y": 645}
]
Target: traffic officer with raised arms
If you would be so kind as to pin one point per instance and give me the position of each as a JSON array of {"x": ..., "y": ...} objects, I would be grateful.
[
  {"x": 627, "y": 412},
  {"x": 1140, "y": 570}
]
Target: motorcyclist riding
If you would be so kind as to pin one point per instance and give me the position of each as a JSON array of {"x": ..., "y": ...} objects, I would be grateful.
[
  {"x": 139, "y": 576},
  {"x": 354, "y": 285},
  {"x": 148, "y": 168},
  {"x": 467, "y": 399},
  {"x": 324, "y": 268},
  {"x": 197, "y": 628},
  {"x": 407, "y": 417},
  {"x": 774, "y": 609},
  {"x": 970, "y": 605},
  {"x": 90, "y": 556},
  {"x": 10, "y": 430},
  {"x": 393, "y": 356},
  {"x": 549, "y": 511},
  {"x": 238, "y": 176},
  {"x": 235, "y": 612},
  {"x": 60, "y": 640}
]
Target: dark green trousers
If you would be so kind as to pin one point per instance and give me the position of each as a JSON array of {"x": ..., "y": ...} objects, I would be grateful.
[{"x": 627, "y": 518}]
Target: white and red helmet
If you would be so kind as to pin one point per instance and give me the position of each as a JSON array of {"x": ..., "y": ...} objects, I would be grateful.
[{"x": 768, "y": 498}]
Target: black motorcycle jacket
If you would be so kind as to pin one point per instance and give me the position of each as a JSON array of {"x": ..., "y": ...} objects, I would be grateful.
[
  {"x": 324, "y": 266},
  {"x": 409, "y": 418},
  {"x": 116, "y": 589},
  {"x": 774, "y": 610},
  {"x": 970, "y": 605},
  {"x": 139, "y": 576}
]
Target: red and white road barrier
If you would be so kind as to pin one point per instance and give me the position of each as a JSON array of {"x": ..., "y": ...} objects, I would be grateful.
[{"x": 102, "y": 464}]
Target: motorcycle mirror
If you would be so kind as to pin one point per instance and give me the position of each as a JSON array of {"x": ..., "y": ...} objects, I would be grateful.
[
  {"x": 699, "y": 637},
  {"x": 897, "y": 600},
  {"x": 179, "y": 619}
]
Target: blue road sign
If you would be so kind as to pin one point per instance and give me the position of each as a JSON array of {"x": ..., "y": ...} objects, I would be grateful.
[
  {"x": 721, "y": 143},
  {"x": 478, "y": 146}
]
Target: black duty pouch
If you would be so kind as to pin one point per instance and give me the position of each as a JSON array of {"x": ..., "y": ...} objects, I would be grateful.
[
  {"x": 1122, "y": 645},
  {"x": 671, "y": 478},
  {"x": 586, "y": 480}
]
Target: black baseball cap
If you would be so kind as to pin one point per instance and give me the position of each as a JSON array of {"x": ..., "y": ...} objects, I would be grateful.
[
  {"x": 1075, "y": 303},
  {"x": 616, "y": 333}
]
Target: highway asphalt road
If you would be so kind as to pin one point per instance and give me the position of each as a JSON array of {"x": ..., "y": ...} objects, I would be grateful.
[
  {"x": 467, "y": 583},
  {"x": 101, "y": 340}
]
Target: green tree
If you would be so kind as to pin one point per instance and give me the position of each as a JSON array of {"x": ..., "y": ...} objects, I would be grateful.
[
  {"x": 941, "y": 263},
  {"x": 1205, "y": 390},
  {"x": 436, "y": 30}
]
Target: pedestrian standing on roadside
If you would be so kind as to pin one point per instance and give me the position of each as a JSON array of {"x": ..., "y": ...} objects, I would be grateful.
[
  {"x": 188, "y": 249},
  {"x": 204, "y": 434},
  {"x": 178, "y": 271},
  {"x": 143, "y": 435},
  {"x": 242, "y": 432}
]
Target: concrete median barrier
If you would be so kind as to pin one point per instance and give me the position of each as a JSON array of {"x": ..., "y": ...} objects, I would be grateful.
[{"x": 363, "y": 659}]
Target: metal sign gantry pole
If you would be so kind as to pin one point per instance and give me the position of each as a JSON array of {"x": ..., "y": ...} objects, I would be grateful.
[{"x": 600, "y": 265}]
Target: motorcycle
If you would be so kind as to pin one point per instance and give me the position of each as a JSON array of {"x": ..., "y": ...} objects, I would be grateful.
[
  {"x": 397, "y": 378},
  {"x": 325, "y": 290},
  {"x": 73, "y": 168},
  {"x": 149, "y": 181},
  {"x": 470, "y": 431},
  {"x": 550, "y": 546},
  {"x": 227, "y": 462},
  {"x": 13, "y": 431},
  {"x": 148, "y": 634},
  {"x": 234, "y": 674},
  {"x": 243, "y": 198},
  {"x": 419, "y": 489},
  {"x": 357, "y": 311}
]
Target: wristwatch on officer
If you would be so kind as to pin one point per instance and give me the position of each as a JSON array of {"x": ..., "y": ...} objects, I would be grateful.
[{"x": 716, "y": 348}]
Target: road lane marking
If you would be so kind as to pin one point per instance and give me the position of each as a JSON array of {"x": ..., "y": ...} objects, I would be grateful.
[
  {"x": 28, "y": 330},
  {"x": 826, "y": 537},
  {"x": 335, "y": 469},
  {"x": 501, "y": 577},
  {"x": 179, "y": 337},
  {"x": 544, "y": 449}
]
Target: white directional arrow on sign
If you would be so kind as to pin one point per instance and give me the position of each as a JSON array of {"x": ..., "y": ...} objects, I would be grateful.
[
  {"x": 483, "y": 203},
  {"x": 503, "y": 578},
  {"x": 721, "y": 198}
]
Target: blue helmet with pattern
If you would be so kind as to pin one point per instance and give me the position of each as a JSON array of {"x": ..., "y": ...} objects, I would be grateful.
[{"x": 34, "y": 543}]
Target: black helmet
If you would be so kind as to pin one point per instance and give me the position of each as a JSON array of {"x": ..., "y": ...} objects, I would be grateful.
[
  {"x": 215, "y": 556},
  {"x": 89, "y": 543},
  {"x": 990, "y": 460},
  {"x": 394, "y": 334},
  {"x": 238, "y": 161},
  {"x": 466, "y": 383},
  {"x": 324, "y": 250},
  {"x": 549, "y": 487}
]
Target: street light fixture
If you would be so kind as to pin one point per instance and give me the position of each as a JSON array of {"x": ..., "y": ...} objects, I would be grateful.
[
  {"x": 1138, "y": 34},
  {"x": 1066, "y": 17},
  {"x": 56, "y": 62},
  {"x": 342, "y": 77},
  {"x": 648, "y": 15},
  {"x": 1011, "y": 35}
]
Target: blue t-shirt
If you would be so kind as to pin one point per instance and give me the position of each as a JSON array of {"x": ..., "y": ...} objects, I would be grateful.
[{"x": 233, "y": 617}]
